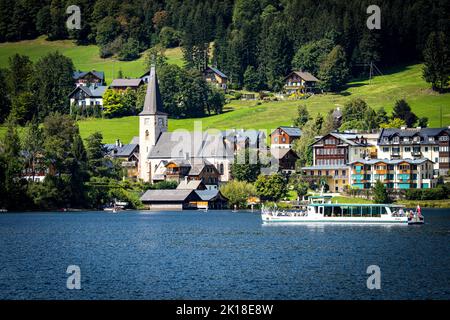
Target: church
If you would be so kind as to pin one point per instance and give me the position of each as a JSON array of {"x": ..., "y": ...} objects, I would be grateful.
[{"x": 183, "y": 155}]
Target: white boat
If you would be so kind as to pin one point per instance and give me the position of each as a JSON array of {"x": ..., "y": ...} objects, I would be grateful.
[{"x": 322, "y": 212}]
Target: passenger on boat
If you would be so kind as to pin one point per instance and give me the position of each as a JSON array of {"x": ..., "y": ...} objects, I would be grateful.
[{"x": 401, "y": 213}]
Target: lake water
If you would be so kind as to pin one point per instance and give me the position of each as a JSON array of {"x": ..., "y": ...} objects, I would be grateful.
[{"x": 218, "y": 255}]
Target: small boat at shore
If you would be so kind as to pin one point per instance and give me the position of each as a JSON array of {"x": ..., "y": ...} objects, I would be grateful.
[
  {"x": 344, "y": 213},
  {"x": 116, "y": 207}
]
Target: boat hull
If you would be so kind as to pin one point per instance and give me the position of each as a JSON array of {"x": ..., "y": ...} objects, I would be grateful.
[{"x": 335, "y": 220}]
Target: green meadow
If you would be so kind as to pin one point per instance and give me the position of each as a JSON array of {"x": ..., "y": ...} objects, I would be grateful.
[
  {"x": 382, "y": 91},
  {"x": 84, "y": 57}
]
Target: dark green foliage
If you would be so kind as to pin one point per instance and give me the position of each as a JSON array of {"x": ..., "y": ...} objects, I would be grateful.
[
  {"x": 310, "y": 56},
  {"x": 5, "y": 103},
  {"x": 246, "y": 166},
  {"x": 302, "y": 116},
  {"x": 402, "y": 110},
  {"x": 271, "y": 188},
  {"x": 380, "y": 194},
  {"x": 252, "y": 79},
  {"x": 334, "y": 72},
  {"x": 356, "y": 114},
  {"x": 130, "y": 50},
  {"x": 437, "y": 60},
  {"x": 438, "y": 193},
  {"x": 52, "y": 82}
]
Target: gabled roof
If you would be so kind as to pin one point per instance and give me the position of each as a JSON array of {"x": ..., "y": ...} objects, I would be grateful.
[
  {"x": 91, "y": 91},
  {"x": 208, "y": 195},
  {"x": 393, "y": 161},
  {"x": 290, "y": 131},
  {"x": 348, "y": 138},
  {"x": 304, "y": 75},
  {"x": 153, "y": 103},
  {"x": 217, "y": 71},
  {"x": 198, "y": 165},
  {"x": 126, "y": 83},
  {"x": 123, "y": 151},
  {"x": 280, "y": 153},
  {"x": 411, "y": 132},
  {"x": 174, "y": 145},
  {"x": 80, "y": 74},
  {"x": 191, "y": 185},
  {"x": 168, "y": 195}
]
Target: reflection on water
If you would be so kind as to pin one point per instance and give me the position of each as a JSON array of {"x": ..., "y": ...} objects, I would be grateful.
[{"x": 219, "y": 255}]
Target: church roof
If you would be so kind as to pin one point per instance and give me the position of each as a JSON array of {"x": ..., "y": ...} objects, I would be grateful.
[
  {"x": 153, "y": 103},
  {"x": 174, "y": 145}
]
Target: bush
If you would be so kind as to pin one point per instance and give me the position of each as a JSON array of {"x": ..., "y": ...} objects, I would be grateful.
[
  {"x": 438, "y": 193},
  {"x": 238, "y": 192}
]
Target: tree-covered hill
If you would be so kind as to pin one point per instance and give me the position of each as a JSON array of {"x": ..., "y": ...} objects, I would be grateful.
[{"x": 257, "y": 36}]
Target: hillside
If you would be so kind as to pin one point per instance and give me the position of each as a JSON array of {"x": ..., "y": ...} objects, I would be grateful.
[
  {"x": 83, "y": 57},
  {"x": 403, "y": 82},
  {"x": 382, "y": 91}
]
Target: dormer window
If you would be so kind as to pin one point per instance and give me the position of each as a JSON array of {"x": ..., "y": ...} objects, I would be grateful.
[{"x": 396, "y": 139}]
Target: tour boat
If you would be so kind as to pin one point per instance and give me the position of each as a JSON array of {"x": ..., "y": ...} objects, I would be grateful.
[{"x": 327, "y": 212}]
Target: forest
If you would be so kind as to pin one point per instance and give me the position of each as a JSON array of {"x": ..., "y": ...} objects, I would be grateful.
[{"x": 255, "y": 42}]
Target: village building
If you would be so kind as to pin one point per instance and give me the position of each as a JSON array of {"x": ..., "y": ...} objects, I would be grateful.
[
  {"x": 170, "y": 199},
  {"x": 185, "y": 151},
  {"x": 284, "y": 137},
  {"x": 331, "y": 155},
  {"x": 124, "y": 84},
  {"x": 394, "y": 174},
  {"x": 283, "y": 160},
  {"x": 211, "y": 199},
  {"x": 417, "y": 143},
  {"x": 216, "y": 77},
  {"x": 89, "y": 78},
  {"x": 300, "y": 82},
  {"x": 128, "y": 154},
  {"x": 83, "y": 96}
]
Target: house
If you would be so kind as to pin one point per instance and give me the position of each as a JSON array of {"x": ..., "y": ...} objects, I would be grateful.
[
  {"x": 84, "y": 96},
  {"x": 186, "y": 153},
  {"x": 89, "y": 78},
  {"x": 124, "y": 84},
  {"x": 170, "y": 199},
  {"x": 215, "y": 76},
  {"x": 300, "y": 82},
  {"x": 331, "y": 155},
  {"x": 283, "y": 137},
  {"x": 128, "y": 154},
  {"x": 211, "y": 199},
  {"x": 417, "y": 143},
  {"x": 284, "y": 159},
  {"x": 395, "y": 174},
  {"x": 193, "y": 170}
]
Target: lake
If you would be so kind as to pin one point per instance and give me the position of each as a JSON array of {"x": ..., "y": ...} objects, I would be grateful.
[{"x": 218, "y": 255}]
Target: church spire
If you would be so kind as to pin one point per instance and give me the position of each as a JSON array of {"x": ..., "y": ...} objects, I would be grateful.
[{"x": 153, "y": 102}]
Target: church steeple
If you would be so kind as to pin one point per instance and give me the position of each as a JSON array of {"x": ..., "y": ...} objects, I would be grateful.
[
  {"x": 152, "y": 123},
  {"x": 153, "y": 103}
]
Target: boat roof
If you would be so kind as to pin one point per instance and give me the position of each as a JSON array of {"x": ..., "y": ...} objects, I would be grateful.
[{"x": 354, "y": 205}]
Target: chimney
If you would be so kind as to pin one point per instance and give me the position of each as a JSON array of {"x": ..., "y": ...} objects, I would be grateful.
[
  {"x": 419, "y": 128},
  {"x": 117, "y": 143},
  {"x": 403, "y": 128}
]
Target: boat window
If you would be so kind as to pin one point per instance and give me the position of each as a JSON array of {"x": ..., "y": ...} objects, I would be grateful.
[
  {"x": 328, "y": 211},
  {"x": 337, "y": 211},
  {"x": 365, "y": 211},
  {"x": 346, "y": 212}
]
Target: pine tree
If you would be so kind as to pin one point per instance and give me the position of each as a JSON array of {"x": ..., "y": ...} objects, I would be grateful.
[
  {"x": 380, "y": 194},
  {"x": 334, "y": 72},
  {"x": 402, "y": 110},
  {"x": 437, "y": 60}
]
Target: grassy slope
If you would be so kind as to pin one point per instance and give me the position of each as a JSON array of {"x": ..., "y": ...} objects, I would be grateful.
[
  {"x": 383, "y": 91},
  {"x": 405, "y": 82},
  {"x": 84, "y": 57}
]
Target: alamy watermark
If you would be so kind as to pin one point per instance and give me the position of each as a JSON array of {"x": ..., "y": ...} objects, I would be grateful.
[
  {"x": 374, "y": 280},
  {"x": 374, "y": 20},
  {"x": 74, "y": 20},
  {"x": 74, "y": 279}
]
